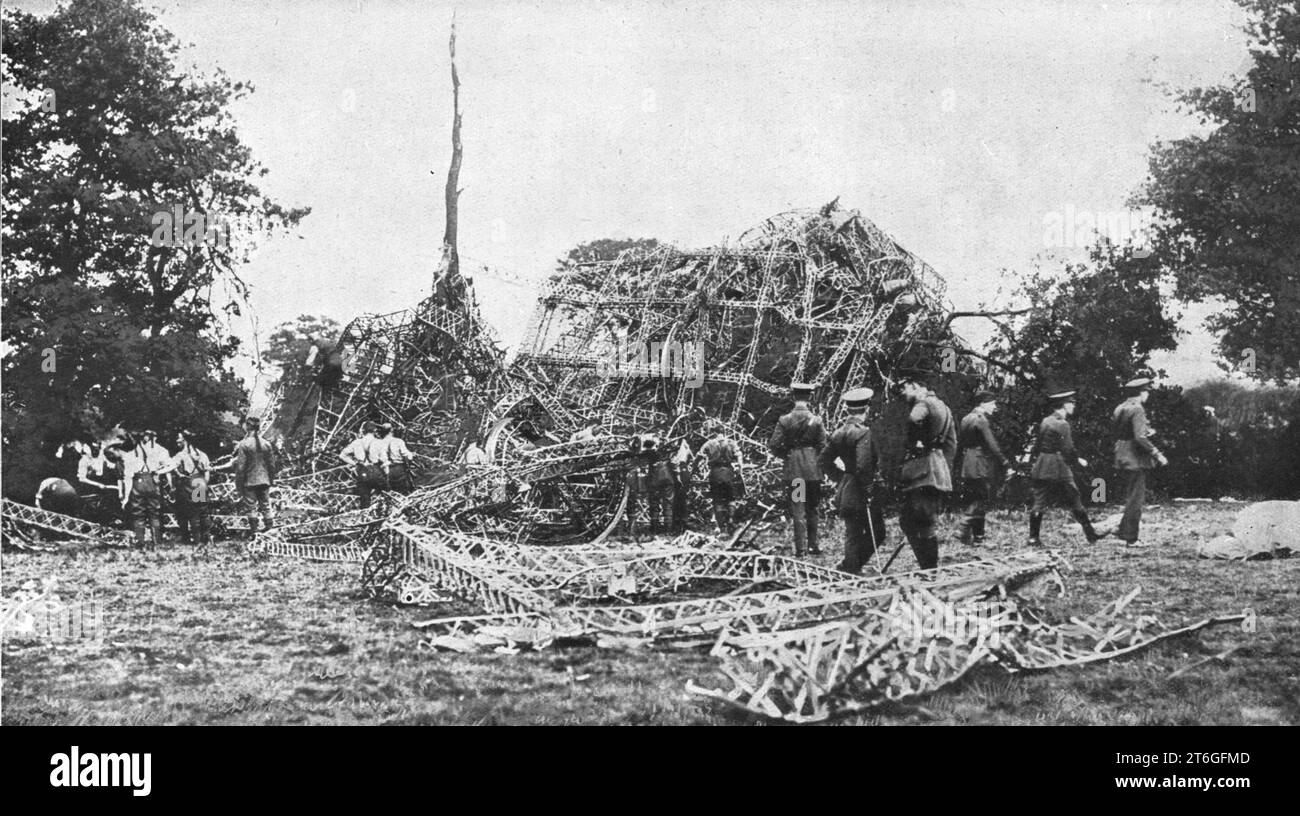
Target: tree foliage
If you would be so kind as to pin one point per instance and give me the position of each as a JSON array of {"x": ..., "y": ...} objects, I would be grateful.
[
  {"x": 1229, "y": 200},
  {"x": 605, "y": 249},
  {"x": 291, "y": 342},
  {"x": 1090, "y": 328},
  {"x": 107, "y": 319}
]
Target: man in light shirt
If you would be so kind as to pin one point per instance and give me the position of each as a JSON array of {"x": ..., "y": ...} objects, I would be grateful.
[
  {"x": 140, "y": 495},
  {"x": 399, "y": 459},
  {"x": 366, "y": 456},
  {"x": 192, "y": 467}
]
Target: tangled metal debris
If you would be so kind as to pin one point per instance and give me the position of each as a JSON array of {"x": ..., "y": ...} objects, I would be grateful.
[
  {"x": 651, "y": 341},
  {"x": 850, "y": 667}
]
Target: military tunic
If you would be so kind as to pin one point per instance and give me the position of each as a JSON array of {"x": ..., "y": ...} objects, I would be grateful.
[
  {"x": 926, "y": 475},
  {"x": 799, "y": 438},
  {"x": 193, "y": 468},
  {"x": 721, "y": 455},
  {"x": 864, "y": 521},
  {"x": 982, "y": 461},
  {"x": 1051, "y": 474},
  {"x": 931, "y": 446},
  {"x": 1134, "y": 456},
  {"x": 255, "y": 467}
]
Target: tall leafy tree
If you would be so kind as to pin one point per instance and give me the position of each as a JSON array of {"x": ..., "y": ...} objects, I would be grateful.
[
  {"x": 130, "y": 204},
  {"x": 290, "y": 344},
  {"x": 1229, "y": 200}
]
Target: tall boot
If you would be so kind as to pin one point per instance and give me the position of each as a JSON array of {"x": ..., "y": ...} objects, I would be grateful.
[
  {"x": 979, "y": 530},
  {"x": 967, "y": 535},
  {"x": 813, "y": 547},
  {"x": 155, "y": 529},
  {"x": 1035, "y": 525},
  {"x": 800, "y": 531},
  {"x": 926, "y": 551},
  {"x": 1086, "y": 523},
  {"x": 137, "y": 526}
]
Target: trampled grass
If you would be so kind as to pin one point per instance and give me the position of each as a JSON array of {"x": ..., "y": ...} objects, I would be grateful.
[{"x": 223, "y": 638}]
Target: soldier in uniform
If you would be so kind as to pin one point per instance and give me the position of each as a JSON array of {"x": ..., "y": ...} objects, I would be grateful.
[
  {"x": 799, "y": 438},
  {"x": 981, "y": 459},
  {"x": 931, "y": 444},
  {"x": 722, "y": 456},
  {"x": 1134, "y": 455},
  {"x": 852, "y": 444},
  {"x": 193, "y": 468},
  {"x": 1051, "y": 476},
  {"x": 637, "y": 477},
  {"x": 255, "y": 468},
  {"x": 659, "y": 484}
]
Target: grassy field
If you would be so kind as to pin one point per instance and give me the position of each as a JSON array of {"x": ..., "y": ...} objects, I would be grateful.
[{"x": 222, "y": 638}]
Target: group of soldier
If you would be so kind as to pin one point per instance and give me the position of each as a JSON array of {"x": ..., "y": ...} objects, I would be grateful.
[
  {"x": 380, "y": 461},
  {"x": 935, "y": 450},
  {"x": 137, "y": 476}
]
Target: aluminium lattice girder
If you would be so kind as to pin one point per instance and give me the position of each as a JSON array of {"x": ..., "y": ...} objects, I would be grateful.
[
  {"x": 785, "y": 608},
  {"x": 26, "y": 515}
]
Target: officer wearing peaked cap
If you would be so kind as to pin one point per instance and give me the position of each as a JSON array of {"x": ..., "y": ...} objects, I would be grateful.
[
  {"x": 980, "y": 459},
  {"x": 926, "y": 475},
  {"x": 852, "y": 445},
  {"x": 1134, "y": 454},
  {"x": 1051, "y": 476},
  {"x": 799, "y": 438}
]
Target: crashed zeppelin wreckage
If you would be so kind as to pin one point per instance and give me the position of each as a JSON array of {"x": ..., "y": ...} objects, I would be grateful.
[{"x": 653, "y": 341}]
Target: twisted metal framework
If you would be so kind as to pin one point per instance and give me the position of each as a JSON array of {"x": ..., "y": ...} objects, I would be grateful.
[
  {"x": 810, "y": 295},
  {"x": 22, "y": 519},
  {"x": 819, "y": 295},
  {"x": 850, "y": 667},
  {"x": 569, "y": 594}
]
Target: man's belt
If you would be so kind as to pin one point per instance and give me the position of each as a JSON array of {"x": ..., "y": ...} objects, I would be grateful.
[{"x": 917, "y": 453}]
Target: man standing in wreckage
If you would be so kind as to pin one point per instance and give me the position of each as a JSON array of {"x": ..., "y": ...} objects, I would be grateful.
[
  {"x": 981, "y": 460},
  {"x": 799, "y": 438},
  {"x": 853, "y": 445},
  {"x": 366, "y": 456},
  {"x": 1051, "y": 476},
  {"x": 722, "y": 456},
  {"x": 255, "y": 465},
  {"x": 926, "y": 479},
  {"x": 650, "y": 486}
]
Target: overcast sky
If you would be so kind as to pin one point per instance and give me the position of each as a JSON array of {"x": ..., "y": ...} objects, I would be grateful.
[{"x": 956, "y": 127}]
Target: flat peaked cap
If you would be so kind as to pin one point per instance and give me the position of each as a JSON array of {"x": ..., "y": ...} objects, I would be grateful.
[{"x": 857, "y": 397}]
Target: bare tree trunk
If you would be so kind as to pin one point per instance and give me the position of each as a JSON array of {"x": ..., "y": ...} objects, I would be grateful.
[{"x": 451, "y": 259}]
